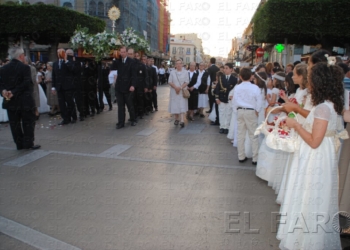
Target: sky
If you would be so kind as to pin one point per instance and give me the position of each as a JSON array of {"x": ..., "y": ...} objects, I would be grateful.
[{"x": 217, "y": 22}]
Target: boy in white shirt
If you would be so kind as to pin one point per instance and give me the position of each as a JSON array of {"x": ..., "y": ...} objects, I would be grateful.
[{"x": 247, "y": 102}]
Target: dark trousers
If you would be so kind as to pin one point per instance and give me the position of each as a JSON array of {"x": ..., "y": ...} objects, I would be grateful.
[
  {"x": 217, "y": 113},
  {"x": 79, "y": 101},
  {"x": 139, "y": 102},
  {"x": 211, "y": 100},
  {"x": 22, "y": 123},
  {"x": 154, "y": 99},
  {"x": 67, "y": 105},
  {"x": 92, "y": 100},
  {"x": 122, "y": 100},
  {"x": 148, "y": 102},
  {"x": 104, "y": 90}
]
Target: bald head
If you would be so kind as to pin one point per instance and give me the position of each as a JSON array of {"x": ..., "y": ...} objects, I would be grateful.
[{"x": 69, "y": 52}]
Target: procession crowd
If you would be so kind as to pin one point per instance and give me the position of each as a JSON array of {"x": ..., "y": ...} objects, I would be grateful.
[{"x": 247, "y": 104}]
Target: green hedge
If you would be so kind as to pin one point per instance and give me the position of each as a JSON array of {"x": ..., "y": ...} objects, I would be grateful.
[
  {"x": 44, "y": 23},
  {"x": 303, "y": 22}
]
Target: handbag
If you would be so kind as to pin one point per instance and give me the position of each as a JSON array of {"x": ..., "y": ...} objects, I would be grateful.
[
  {"x": 277, "y": 138},
  {"x": 185, "y": 92}
]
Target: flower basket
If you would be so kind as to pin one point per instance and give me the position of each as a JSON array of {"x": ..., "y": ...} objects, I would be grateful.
[{"x": 279, "y": 136}]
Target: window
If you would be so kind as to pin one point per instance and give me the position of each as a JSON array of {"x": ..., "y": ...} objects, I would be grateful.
[
  {"x": 187, "y": 59},
  {"x": 101, "y": 9},
  {"x": 188, "y": 51},
  {"x": 181, "y": 51},
  {"x": 174, "y": 50},
  {"x": 92, "y": 8},
  {"x": 68, "y": 5}
]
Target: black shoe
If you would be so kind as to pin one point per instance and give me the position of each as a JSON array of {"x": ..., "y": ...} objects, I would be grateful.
[
  {"x": 146, "y": 113},
  {"x": 156, "y": 109},
  {"x": 182, "y": 124},
  {"x": 110, "y": 109},
  {"x": 209, "y": 111},
  {"x": 98, "y": 112},
  {"x": 37, "y": 117},
  {"x": 221, "y": 131},
  {"x": 201, "y": 116},
  {"x": 74, "y": 121},
  {"x": 133, "y": 123},
  {"x": 225, "y": 131},
  {"x": 63, "y": 123},
  {"x": 81, "y": 118},
  {"x": 92, "y": 114},
  {"x": 34, "y": 147},
  {"x": 215, "y": 123},
  {"x": 119, "y": 126},
  {"x": 195, "y": 114},
  {"x": 115, "y": 101},
  {"x": 141, "y": 117},
  {"x": 245, "y": 159},
  {"x": 254, "y": 163},
  {"x": 152, "y": 111}
]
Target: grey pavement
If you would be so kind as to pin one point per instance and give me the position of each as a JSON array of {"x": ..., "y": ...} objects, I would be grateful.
[{"x": 152, "y": 186}]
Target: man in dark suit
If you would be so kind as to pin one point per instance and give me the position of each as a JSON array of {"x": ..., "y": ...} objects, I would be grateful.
[
  {"x": 17, "y": 88},
  {"x": 141, "y": 87},
  {"x": 103, "y": 86},
  {"x": 77, "y": 80},
  {"x": 124, "y": 88},
  {"x": 212, "y": 70},
  {"x": 153, "y": 84},
  {"x": 192, "y": 86},
  {"x": 148, "y": 95},
  {"x": 63, "y": 77},
  {"x": 225, "y": 84}
]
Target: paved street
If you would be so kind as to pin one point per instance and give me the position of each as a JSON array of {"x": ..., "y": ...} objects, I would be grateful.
[{"x": 152, "y": 186}]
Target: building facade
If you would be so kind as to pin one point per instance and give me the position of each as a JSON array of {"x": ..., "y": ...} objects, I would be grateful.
[
  {"x": 199, "y": 54},
  {"x": 182, "y": 49}
]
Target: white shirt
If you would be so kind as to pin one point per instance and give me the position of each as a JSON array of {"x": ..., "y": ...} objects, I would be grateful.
[
  {"x": 199, "y": 79},
  {"x": 154, "y": 66},
  {"x": 111, "y": 76},
  {"x": 247, "y": 95},
  {"x": 161, "y": 71}
]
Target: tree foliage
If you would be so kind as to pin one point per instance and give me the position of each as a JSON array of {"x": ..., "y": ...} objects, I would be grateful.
[
  {"x": 306, "y": 22},
  {"x": 44, "y": 23}
]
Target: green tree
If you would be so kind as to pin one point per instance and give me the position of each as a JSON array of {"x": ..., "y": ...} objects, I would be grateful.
[
  {"x": 308, "y": 22},
  {"x": 44, "y": 24}
]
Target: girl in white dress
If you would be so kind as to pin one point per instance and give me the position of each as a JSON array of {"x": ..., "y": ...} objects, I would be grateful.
[
  {"x": 270, "y": 161},
  {"x": 310, "y": 205},
  {"x": 261, "y": 80},
  {"x": 303, "y": 98}
]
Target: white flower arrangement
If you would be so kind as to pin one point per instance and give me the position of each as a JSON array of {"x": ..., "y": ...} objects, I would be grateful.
[{"x": 101, "y": 44}]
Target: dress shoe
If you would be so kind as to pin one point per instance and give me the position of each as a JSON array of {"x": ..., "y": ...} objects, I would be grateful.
[
  {"x": 152, "y": 111},
  {"x": 34, "y": 147},
  {"x": 156, "y": 109},
  {"x": 254, "y": 163},
  {"x": 215, "y": 123},
  {"x": 115, "y": 101},
  {"x": 81, "y": 118},
  {"x": 225, "y": 131},
  {"x": 63, "y": 123},
  {"x": 141, "y": 117},
  {"x": 209, "y": 111},
  {"x": 98, "y": 112},
  {"x": 201, "y": 116},
  {"x": 182, "y": 124},
  {"x": 133, "y": 123},
  {"x": 74, "y": 121},
  {"x": 110, "y": 109},
  {"x": 221, "y": 131},
  {"x": 245, "y": 159},
  {"x": 119, "y": 126},
  {"x": 92, "y": 114},
  {"x": 195, "y": 114}
]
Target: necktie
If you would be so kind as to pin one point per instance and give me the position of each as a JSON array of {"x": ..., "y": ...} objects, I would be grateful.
[
  {"x": 227, "y": 78},
  {"x": 60, "y": 63},
  {"x": 124, "y": 60}
]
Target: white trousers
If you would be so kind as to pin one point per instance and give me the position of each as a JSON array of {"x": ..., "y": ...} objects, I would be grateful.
[
  {"x": 225, "y": 113},
  {"x": 247, "y": 120}
]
